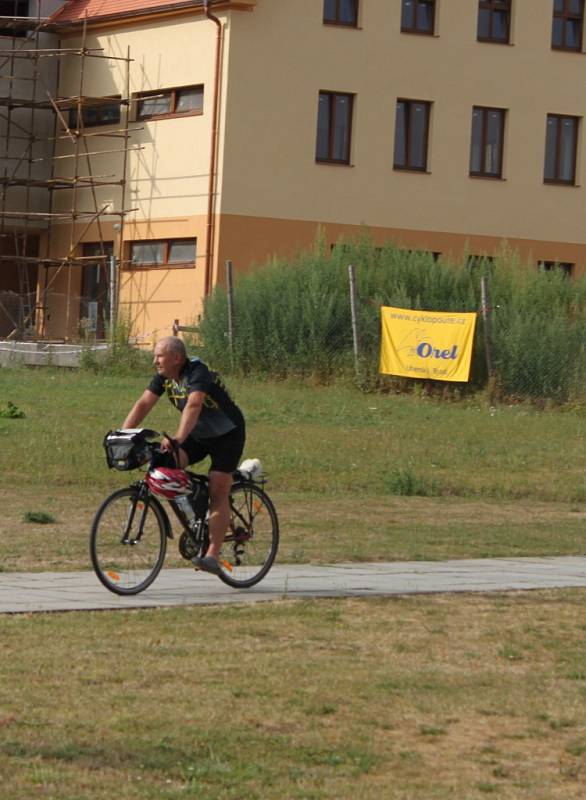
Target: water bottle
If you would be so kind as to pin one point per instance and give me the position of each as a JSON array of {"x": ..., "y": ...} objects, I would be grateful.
[{"x": 183, "y": 503}]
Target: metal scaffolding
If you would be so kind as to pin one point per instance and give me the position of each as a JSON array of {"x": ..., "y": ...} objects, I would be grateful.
[{"x": 49, "y": 145}]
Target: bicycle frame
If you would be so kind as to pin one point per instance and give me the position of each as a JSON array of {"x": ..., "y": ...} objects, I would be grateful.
[{"x": 147, "y": 498}]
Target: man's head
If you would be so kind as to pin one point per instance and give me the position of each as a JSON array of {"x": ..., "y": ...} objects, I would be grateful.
[{"x": 169, "y": 357}]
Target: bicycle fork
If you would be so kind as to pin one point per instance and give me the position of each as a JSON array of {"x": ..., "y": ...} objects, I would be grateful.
[{"x": 140, "y": 502}]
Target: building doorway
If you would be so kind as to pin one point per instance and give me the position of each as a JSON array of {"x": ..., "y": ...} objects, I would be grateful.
[{"x": 94, "y": 306}]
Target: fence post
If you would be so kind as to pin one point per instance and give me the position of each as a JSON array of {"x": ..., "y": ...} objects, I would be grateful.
[
  {"x": 230, "y": 296},
  {"x": 486, "y": 317},
  {"x": 355, "y": 339},
  {"x": 113, "y": 291}
]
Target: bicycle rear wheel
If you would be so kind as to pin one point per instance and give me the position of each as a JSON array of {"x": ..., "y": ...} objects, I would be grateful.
[
  {"x": 252, "y": 540},
  {"x": 128, "y": 542}
]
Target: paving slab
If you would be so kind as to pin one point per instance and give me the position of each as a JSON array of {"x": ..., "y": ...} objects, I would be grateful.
[{"x": 81, "y": 591}]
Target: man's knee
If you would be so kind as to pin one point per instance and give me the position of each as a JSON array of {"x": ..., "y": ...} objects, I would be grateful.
[{"x": 220, "y": 485}]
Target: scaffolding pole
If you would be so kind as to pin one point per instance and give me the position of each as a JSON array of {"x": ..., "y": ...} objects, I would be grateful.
[{"x": 29, "y": 212}]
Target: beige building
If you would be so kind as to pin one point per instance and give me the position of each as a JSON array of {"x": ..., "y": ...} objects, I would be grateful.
[{"x": 443, "y": 125}]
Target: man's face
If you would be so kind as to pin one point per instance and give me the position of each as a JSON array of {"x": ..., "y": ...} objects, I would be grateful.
[{"x": 166, "y": 362}]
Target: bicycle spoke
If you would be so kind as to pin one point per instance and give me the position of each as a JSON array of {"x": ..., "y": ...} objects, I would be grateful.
[
  {"x": 128, "y": 543},
  {"x": 251, "y": 544}
]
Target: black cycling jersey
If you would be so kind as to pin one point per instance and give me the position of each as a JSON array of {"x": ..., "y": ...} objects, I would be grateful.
[{"x": 219, "y": 414}]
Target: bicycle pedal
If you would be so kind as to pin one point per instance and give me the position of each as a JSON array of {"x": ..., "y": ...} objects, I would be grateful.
[{"x": 227, "y": 565}]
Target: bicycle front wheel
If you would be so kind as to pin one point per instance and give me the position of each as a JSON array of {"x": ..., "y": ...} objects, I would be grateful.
[
  {"x": 128, "y": 542},
  {"x": 252, "y": 540}
]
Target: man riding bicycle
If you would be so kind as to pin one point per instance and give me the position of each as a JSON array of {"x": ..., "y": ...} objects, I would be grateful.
[{"x": 211, "y": 424}]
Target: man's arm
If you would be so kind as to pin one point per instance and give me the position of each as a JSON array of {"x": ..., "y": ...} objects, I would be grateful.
[
  {"x": 189, "y": 416},
  {"x": 140, "y": 409}
]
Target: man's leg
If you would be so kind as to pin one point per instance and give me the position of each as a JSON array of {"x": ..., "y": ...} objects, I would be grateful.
[{"x": 220, "y": 485}]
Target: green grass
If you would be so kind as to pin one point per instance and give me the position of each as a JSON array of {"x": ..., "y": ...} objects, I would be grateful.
[
  {"x": 426, "y": 697},
  {"x": 355, "y": 476},
  {"x": 430, "y": 697}
]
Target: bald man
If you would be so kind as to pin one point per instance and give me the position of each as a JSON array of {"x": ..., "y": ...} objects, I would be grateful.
[{"x": 211, "y": 424}]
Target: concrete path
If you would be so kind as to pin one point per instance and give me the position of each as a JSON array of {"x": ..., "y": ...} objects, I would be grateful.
[{"x": 81, "y": 591}]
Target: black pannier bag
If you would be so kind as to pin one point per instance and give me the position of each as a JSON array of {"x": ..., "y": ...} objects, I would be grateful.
[{"x": 128, "y": 449}]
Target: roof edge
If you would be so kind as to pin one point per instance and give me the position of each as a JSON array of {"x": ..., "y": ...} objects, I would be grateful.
[{"x": 194, "y": 6}]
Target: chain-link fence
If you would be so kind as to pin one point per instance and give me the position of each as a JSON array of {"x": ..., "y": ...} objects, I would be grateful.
[{"x": 315, "y": 317}]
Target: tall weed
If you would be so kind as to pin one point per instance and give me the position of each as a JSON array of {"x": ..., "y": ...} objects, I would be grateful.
[
  {"x": 293, "y": 317},
  {"x": 122, "y": 357}
]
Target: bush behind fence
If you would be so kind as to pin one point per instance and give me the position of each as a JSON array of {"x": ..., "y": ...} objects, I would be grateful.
[{"x": 293, "y": 318}]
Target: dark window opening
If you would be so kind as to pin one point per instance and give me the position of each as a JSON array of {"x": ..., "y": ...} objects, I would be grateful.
[
  {"x": 567, "y": 25},
  {"x": 341, "y": 12},
  {"x": 106, "y": 111},
  {"x": 183, "y": 101},
  {"x": 163, "y": 253},
  {"x": 94, "y": 306},
  {"x": 565, "y": 267},
  {"x": 411, "y": 135},
  {"x": 561, "y": 140},
  {"x": 477, "y": 262},
  {"x": 494, "y": 21},
  {"x": 486, "y": 147},
  {"x": 418, "y": 16},
  {"x": 13, "y": 8},
  {"x": 334, "y": 126}
]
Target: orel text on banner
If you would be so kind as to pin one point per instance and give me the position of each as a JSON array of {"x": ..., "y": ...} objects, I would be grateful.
[{"x": 426, "y": 344}]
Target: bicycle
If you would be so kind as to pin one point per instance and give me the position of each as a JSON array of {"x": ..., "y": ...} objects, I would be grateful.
[{"x": 131, "y": 529}]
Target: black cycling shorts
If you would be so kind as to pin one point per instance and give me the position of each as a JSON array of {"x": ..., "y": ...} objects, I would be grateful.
[{"x": 225, "y": 451}]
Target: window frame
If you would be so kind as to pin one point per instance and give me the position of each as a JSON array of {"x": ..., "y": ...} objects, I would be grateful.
[
  {"x": 565, "y": 15},
  {"x": 558, "y": 150},
  {"x": 493, "y": 6},
  {"x": 475, "y": 261},
  {"x": 165, "y": 263},
  {"x": 414, "y": 29},
  {"x": 332, "y": 126},
  {"x": 99, "y": 284},
  {"x": 173, "y": 94},
  {"x": 96, "y": 103},
  {"x": 16, "y": 32},
  {"x": 565, "y": 267},
  {"x": 337, "y": 21},
  {"x": 408, "y": 167},
  {"x": 483, "y": 173}
]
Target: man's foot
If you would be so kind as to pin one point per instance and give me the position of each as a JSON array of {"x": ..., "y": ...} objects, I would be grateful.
[{"x": 207, "y": 564}]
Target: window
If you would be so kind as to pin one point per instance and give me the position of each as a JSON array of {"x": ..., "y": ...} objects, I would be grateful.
[
  {"x": 184, "y": 101},
  {"x": 486, "y": 148},
  {"x": 566, "y": 32},
  {"x": 560, "y": 149},
  {"x": 565, "y": 267},
  {"x": 334, "y": 125},
  {"x": 13, "y": 8},
  {"x": 494, "y": 18},
  {"x": 411, "y": 135},
  {"x": 434, "y": 255},
  {"x": 94, "y": 306},
  {"x": 105, "y": 111},
  {"x": 341, "y": 12},
  {"x": 418, "y": 16},
  {"x": 477, "y": 262},
  {"x": 163, "y": 253}
]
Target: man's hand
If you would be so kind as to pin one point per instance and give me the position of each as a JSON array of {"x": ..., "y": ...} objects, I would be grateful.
[{"x": 169, "y": 445}]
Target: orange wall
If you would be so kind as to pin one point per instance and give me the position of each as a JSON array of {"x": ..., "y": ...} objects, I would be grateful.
[{"x": 246, "y": 240}]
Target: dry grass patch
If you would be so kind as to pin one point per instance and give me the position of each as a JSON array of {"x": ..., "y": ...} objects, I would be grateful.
[
  {"x": 431, "y": 697},
  {"x": 314, "y": 528}
]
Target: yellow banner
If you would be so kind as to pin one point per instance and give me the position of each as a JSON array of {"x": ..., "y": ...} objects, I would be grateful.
[{"x": 426, "y": 344}]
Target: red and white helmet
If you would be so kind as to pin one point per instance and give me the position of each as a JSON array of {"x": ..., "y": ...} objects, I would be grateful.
[{"x": 168, "y": 482}]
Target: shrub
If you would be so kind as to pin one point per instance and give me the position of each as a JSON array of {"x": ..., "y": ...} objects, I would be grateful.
[{"x": 293, "y": 318}]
